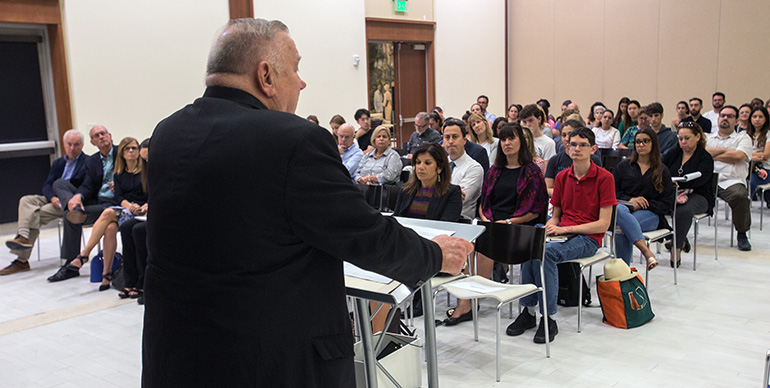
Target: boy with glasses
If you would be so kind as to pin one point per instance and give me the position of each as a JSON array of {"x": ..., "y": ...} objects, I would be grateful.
[
  {"x": 582, "y": 200},
  {"x": 562, "y": 161}
]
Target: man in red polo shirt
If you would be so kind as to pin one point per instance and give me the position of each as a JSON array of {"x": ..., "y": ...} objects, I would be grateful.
[{"x": 583, "y": 197}]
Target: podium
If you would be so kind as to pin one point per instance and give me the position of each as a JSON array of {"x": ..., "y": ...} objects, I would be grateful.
[{"x": 395, "y": 293}]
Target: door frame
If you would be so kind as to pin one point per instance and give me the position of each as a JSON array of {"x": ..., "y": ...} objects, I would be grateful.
[{"x": 408, "y": 31}]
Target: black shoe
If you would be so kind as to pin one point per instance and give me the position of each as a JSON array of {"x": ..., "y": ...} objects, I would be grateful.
[
  {"x": 66, "y": 272},
  {"x": 743, "y": 242},
  {"x": 140, "y": 300},
  {"x": 552, "y": 331},
  {"x": 462, "y": 318},
  {"x": 523, "y": 322},
  {"x": 76, "y": 216}
]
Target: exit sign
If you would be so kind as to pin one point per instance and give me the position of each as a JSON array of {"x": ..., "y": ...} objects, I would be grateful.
[{"x": 401, "y": 5}]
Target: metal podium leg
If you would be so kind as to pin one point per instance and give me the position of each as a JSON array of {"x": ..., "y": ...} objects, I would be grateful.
[
  {"x": 430, "y": 335},
  {"x": 362, "y": 316}
]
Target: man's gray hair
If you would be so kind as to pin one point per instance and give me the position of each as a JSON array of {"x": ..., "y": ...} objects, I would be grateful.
[
  {"x": 74, "y": 132},
  {"x": 244, "y": 42},
  {"x": 422, "y": 116}
]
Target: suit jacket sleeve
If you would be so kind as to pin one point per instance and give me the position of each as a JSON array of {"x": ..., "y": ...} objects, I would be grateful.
[
  {"x": 328, "y": 213},
  {"x": 87, "y": 189},
  {"x": 57, "y": 169},
  {"x": 453, "y": 204}
]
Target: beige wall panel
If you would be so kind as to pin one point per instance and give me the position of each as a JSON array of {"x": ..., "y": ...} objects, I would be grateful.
[
  {"x": 418, "y": 10},
  {"x": 131, "y": 64},
  {"x": 743, "y": 51},
  {"x": 531, "y": 48},
  {"x": 689, "y": 43},
  {"x": 579, "y": 42},
  {"x": 328, "y": 35},
  {"x": 470, "y": 54},
  {"x": 630, "y": 51}
]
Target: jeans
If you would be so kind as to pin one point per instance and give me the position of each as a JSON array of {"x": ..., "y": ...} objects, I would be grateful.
[
  {"x": 757, "y": 181},
  {"x": 555, "y": 252},
  {"x": 631, "y": 226}
]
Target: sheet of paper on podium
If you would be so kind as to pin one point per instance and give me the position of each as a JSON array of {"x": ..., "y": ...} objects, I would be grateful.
[
  {"x": 429, "y": 233},
  {"x": 357, "y": 272}
]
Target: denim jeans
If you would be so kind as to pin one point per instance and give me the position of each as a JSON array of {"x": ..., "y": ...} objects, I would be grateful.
[
  {"x": 757, "y": 181},
  {"x": 555, "y": 252},
  {"x": 631, "y": 226}
]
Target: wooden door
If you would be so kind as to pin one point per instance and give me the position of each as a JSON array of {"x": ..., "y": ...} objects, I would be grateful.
[{"x": 411, "y": 94}]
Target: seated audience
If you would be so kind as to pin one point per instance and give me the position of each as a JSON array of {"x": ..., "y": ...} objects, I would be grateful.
[
  {"x": 435, "y": 121},
  {"x": 364, "y": 133},
  {"x": 744, "y": 118},
  {"x": 562, "y": 160},
  {"x": 422, "y": 133},
  {"x": 130, "y": 185},
  {"x": 513, "y": 193},
  {"x": 466, "y": 172},
  {"x": 429, "y": 193},
  {"x": 756, "y": 102},
  {"x": 335, "y": 123},
  {"x": 85, "y": 203},
  {"x": 481, "y": 134},
  {"x": 633, "y": 115},
  {"x": 758, "y": 129},
  {"x": 497, "y": 124},
  {"x": 349, "y": 151},
  {"x": 623, "y": 120},
  {"x": 732, "y": 152},
  {"x": 439, "y": 111},
  {"x": 582, "y": 201},
  {"x": 381, "y": 166},
  {"x": 682, "y": 111},
  {"x": 595, "y": 114},
  {"x": 37, "y": 210},
  {"x": 313, "y": 119},
  {"x": 643, "y": 121},
  {"x": 644, "y": 181},
  {"x": 666, "y": 137},
  {"x": 133, "y": 234},
  {"x": 607, "y": 136},
  {"x": 532, "y": 117},
  {"x": 483, "y": 102},
  {"x": 695, "y": 196},
  {"x": 696, "y": 104},
  {"x": 513, "y": 113}
]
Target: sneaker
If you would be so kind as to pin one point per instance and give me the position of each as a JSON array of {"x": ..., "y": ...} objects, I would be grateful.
[
  {"x": 552, "y": 331},
  {"x": 15, "y": 267},
  {"x": 20, "y": 243},
  {"x": 743, "y": 242},
  {"x": 523, "y": 322}
]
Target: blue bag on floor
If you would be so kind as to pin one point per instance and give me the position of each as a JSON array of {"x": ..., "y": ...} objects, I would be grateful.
[{"x": 97, "y": 265}]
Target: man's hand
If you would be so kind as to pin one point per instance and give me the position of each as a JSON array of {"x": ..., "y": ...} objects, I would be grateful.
[
  {"x": 112, "y": 186},
  {"x": 454, "y": 252},
  {"x": 75, "y": 201},
  {"x": 555, "y": 230},
  {"x": 56, "y": 202}
]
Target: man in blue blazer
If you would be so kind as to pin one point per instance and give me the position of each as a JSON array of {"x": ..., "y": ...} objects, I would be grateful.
[
  {"x": 86, "y": 201},
  {"x": 36, "y": 210}
]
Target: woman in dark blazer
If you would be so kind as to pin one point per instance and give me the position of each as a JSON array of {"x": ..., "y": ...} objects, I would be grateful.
[
  {"x": 429, "y": 194},
  {"x": 695, "y": 196}
]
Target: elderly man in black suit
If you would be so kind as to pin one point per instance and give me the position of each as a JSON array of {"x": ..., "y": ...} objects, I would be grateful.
[
  {"x": 37, "y": 210},
  {"x": 244, "y": 283},
  {"x": 87, "y": 201}
]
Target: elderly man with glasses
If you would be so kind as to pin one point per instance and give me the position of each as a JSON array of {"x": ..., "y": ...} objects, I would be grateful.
[{"x": 423, "y": 134}]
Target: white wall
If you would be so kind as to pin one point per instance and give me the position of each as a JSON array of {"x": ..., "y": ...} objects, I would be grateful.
[
  {"x": 470, "y": 54},
  {"x": 131, "y": 64},
  {"x": 327, "y": 34}
]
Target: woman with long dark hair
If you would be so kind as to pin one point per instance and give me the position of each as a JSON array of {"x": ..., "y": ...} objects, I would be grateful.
[
  {"x": 429, "y": 193},
  {"x": 646, "y": 184},
  {"x": 512, "y": 114},
  {"x": 622, "y": 120},
  {"x": 682, "y": 111},
  {"x": 513, "y": 192},
  {"x": 760, "y": 157}
]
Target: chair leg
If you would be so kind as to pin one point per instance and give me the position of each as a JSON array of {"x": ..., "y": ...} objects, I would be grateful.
[
  {"x": 497, "y": 343},
  {"x": 761, "y": 194},
  {"x": 695, "y": 246},
  {"x": 580, "y": 302},
  {"x": 475, "y": 312}
]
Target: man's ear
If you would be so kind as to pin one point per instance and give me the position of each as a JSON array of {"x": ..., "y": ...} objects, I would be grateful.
[
  {"x": 264, "y": 78},
  {"x": 594, "y": 148}
]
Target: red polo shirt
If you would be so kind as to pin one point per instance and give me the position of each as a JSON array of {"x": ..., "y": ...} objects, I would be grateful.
[{"x": 581, "y": 199}]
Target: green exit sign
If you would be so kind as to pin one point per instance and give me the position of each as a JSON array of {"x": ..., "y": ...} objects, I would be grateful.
[{"x": 401, "y": 5}]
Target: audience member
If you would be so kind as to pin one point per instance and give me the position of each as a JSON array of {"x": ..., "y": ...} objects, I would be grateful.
[
  {"x": 562, "y": 160},
  {"x": 483, "y": 102},
  {"x": 756, "y": 102},
  {"x": 85, "y": 203},
  {"x": 666, "y": 136},
  {"x": 758, "y": 129},
  {"x": 545, "y": 106},
  {"x": 37, "y": 210},
  {"x": 313, "y": 119},
  {"x": 133, "y": 234},
  {"x": 595, "y": 114},
  {"x": 349, "y": 150},
  {"x": 497, "y": 124},
  {"x": 439, "y": 111},
  {"x": 466, "y": 172},
  {"x": 694, "y": 196},
  {"x": 622, "y": 121},
  {"x": 633, "y": 114},
  {"x": 422, "y": 133},
  {"x": 381, "y": 166},
  {"x": 560, "y": 119},
  {"x": 646, "y": 183},
  {"x": 435, "y": 121},
  {"x": 513, "y": 193},
  {"x": 335, "y": 123},
  {"x": 732, "y": 152},
  {"x": 476, "y": 109},
  {"x": 364, "y": 133},
  {"x": 481, "y": 134},
  {"x": 682, "y": 111},
  {"x": 532, "y": 118},
  {"x": 582, "y": 201},
  {"x": 513, "y": 113},
  {"x": 144, "y": 149},
  {"x": 429, "y": 193},
  {"x": 717, "y": 101},
  {"x": 607, "y": 136},
  {"x": 696, "y": 104},
  {"x": 643, "y": 121},
  {"x": 744, "y": 117}
]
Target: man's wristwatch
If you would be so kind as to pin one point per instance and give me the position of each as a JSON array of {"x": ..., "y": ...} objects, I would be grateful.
[{"x": 508, "y": 221}]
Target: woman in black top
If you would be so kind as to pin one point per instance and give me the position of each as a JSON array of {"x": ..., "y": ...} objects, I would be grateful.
[
  {"x": 644, "y": 182},
  {"x": 695, "y": 196},
  {"x": 429, "y": 193},
  {"x": 130, "y": 187}
]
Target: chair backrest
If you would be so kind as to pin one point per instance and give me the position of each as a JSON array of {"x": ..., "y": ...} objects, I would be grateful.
[
  {"x": 611, "y": 229},
  {"x": 611, "y": 157},
  {"x": 714, "y": 187},
  {"x": 511, "y": 244}
]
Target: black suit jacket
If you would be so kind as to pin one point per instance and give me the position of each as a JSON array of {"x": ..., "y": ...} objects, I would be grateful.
[
  {"x": 445, "y": 208},
  {"x": 94, "y": 175},
  {"x": 479, "y": 154},
  {"x": 57, "y": 170},
  {"x": 252, "y": 215}
]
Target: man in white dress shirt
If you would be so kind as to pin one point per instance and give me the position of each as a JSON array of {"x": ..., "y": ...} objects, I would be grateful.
[
  {"x": 466, "y": 172},
  {"x": 717, "y": 101}
]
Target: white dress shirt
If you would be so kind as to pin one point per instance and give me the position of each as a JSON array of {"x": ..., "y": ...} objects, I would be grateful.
[{"x": 469, "y": 175}]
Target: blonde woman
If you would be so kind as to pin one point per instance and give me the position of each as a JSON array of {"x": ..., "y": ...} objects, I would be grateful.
[
  {"x": 381, "y": 166},
  {"x": 481, "y": 134}
]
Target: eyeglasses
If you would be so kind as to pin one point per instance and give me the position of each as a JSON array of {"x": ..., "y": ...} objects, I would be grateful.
[
  {"x": 642, "y": 141},
  {"x": 420, "y": 126},
  {"x": 131, "y": 148},
  {"x": 581, "y": 145},
  {"x": 727, "y": 116}
]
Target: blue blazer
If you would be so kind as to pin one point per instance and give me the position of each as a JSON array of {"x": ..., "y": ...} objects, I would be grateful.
[
  {"x": 89, "y": 189},
  {"x": 57, "y": 170}
]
